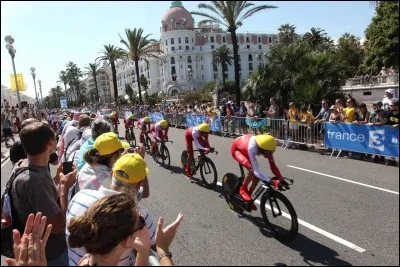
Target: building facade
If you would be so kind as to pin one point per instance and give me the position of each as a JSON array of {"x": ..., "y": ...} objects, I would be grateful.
[{"x": 185, "y": 52}]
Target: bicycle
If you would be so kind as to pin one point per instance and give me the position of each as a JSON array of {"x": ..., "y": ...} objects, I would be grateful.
[
  {"x": 115, "y": 126},
  {"x": 268, "y": 204},
  {"x": 162, "y": 153},
  {"x": 145, "y": 139},
  {"x": 206, "y": 166},
  {"x": 130, "y": 136}
]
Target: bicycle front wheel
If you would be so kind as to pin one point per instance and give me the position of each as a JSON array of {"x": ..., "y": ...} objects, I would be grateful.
[
  {"x": 279, "y": 215},
  {"x": 184, "y": 156},
  {"x": 133, "y": 139},
  {"x": 208, "y": 173},
  {"x": 166, "y": 159},
  {"x": 148, "y": 143},
  {"x": 155, "y": 154}
]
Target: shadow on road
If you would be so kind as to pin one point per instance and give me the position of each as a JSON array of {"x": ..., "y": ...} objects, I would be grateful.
[
  {"x": 175, "y": 169},
  {"x": 200, "y": 183},
  {"x": 311, "y": 251}
]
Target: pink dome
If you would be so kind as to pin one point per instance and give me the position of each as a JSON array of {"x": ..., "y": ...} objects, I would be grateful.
[{"x": 177, "y": 17}]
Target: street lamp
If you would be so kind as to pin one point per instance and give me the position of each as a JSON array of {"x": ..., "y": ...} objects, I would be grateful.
[
  {"x": 9, "y": 40},
  {"x": 34, "y": 83},
  {"x": 40, "y": 89}
]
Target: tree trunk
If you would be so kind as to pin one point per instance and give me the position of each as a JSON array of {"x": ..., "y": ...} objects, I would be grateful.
[
  {"x": 223, "y": 74},
  {"x": 97, "y": 90},
  {"x": 114, "y": 76},
  {"x": 236, "y": 65},
  {"x": 66, "y": 94},
  {"x": 138, "y": 81}
]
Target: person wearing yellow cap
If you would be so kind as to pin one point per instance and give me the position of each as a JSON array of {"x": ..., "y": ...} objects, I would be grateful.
[
  {"x": 128, "y": 175},
  {"x": 159, "y": 131},
  {"x": 106, "y": 150},
  {"x": 198, "y": 135},
  {"x": 244, "y": 150}
]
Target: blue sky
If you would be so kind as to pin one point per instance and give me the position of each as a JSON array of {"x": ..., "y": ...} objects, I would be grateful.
[{"x": 49, "y": 34}]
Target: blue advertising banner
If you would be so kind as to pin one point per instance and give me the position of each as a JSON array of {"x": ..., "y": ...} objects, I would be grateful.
[
  {"x": 194, "y": 120},
  {"x": 379, "y": 140},
  {"x": 155, "y": 116}
]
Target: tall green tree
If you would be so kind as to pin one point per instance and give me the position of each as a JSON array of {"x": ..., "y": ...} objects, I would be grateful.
[
  {"x": 223, "y": 55},
  {"x": 64, "y": 79},
  {"x": 287, "y": 34},
  {"x": 350, "y": 53},
  {"x": 74, "y": 74},
  {"x": 111, "y": 54},
  {"x": 130, "y": 93},
  {"x": 315, "y": 38},
  {"x": 382, "y": 37},
  {"x": 231, "y": 14},
  {"x": 94, "y": 70},
  {"x": 139, "y": 47}
]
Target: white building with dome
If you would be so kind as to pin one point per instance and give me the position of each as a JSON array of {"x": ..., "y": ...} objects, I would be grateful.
[{"x": 186, "y": 53}]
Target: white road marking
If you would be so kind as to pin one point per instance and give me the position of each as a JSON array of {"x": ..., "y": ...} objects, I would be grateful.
[
  {"x": 7, "y": 159},
  {"x": 319, "y": 230},
  {"x": 346, "y": 180}
]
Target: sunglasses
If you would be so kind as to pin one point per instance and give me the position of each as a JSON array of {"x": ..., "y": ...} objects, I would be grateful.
[{"x": 142, "y": 224}]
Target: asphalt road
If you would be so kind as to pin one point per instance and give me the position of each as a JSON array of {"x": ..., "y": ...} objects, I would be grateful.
[{"x": 348, "y": 211}]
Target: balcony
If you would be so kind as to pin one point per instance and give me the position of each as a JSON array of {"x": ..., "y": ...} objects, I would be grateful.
[{"x": 373, "y": 81}]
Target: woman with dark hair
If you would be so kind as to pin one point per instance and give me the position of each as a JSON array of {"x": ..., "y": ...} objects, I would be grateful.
[{"x": 362, "y": 116}]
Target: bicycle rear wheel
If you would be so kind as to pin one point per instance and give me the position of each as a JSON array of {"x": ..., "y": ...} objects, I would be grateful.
[
  {"x": 148, "y": 143},
  {"x": 208, "y": 173},
  {"x": 184, "y": 158},
  {"x": 279, "y": 215},
  {"x": 166, "y": 159},
  {"x": 133, "y": 138},
  {"x": 228, "y": 183},
  {"x": 156, "y": 154}
]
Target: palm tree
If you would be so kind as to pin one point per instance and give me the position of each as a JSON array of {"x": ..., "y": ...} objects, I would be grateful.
[
  {"x": 64, "y": 79},
  {"x": 315, "y": 37},
  {"x": 94, "y": 69},
  {"x": 222, "y": 55},
  {"x": 286, "y": 33},
  {"x": 138, "y": 47},
  {"x": 111, "y": 54},
  {"x": 231, "y": 14},
  {"x": 73, "y": 74}
]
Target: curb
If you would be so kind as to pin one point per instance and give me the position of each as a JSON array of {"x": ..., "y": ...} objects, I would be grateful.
[{"x": 7, "y": 156}]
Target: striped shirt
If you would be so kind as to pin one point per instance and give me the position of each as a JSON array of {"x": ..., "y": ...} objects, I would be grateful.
[
  {"x": 93, "y": 176},
  {"x": 78, "y": 206}
]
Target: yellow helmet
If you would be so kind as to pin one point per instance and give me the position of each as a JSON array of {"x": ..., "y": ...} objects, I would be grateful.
[
  {"x": 163, "y": 124},
  {"x": 204, "y": 127},
  {"x": 113, "y": 115},
  {"x": 266, "y": 142},
  {"x": 146, "y": 119},
  {"x": 131, "y": 117}
]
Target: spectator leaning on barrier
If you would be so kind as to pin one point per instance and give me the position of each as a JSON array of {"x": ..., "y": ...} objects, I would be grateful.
[
  {"x": 377, "y": 119},
  {"x": 335, "y": 116},
  {"x": 349, "y": 111},
  {"x": 34, "y": 190},
  {"x": 389, "y": 97},
  {"x": 294, "y": 118},
  {"x": 362, "y": 116},
  {"x": 128, "y": 175},
  {"x": 392, "y": 119}
]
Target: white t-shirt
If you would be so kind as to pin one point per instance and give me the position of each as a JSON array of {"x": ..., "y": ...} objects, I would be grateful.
[{"x": 386, "y": 102}]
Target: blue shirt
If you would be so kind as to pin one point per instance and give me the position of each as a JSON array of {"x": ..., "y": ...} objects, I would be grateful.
[{"x": 85, "y": 147}]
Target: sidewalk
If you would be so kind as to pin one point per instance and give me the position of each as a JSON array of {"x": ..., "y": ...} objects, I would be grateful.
[{"x": 5, "y": 151}]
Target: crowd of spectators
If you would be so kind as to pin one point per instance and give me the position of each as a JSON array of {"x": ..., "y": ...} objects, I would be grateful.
[{"x": 366, "y": 78}]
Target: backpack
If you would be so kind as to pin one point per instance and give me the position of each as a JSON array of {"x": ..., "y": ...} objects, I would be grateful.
[{"x": 8, "y": 212}]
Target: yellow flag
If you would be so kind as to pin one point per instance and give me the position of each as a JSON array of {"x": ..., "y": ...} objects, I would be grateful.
[{"x": 20, "y": 81}]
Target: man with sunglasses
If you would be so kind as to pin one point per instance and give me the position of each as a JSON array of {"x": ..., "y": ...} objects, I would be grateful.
[
  {"x": 244, "y": 150},
  {"x": 128, "y": 174}
]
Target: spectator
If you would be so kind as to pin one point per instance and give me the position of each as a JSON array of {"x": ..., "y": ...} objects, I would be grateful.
[
  {"x": 349, "y": 111},
  {"x": 260, "y": 113},
  {"x": 74, "y": 146},
  {"x": 389, "y": 97},
  {"x": 294, "y": 118},
  {"x": 306, "y": 116},
  {"x": 242, "y": 114},
  {"x": 128, "y": 175},
  {"x": 34, "y": 190},
  {"x": 18, "y": 124},
  {"x": 339, "y": 105},
  {"x": 323, "y": 116},
  {"x": 377, "y": 119},
  {"x": 392, "y": 118},
  {"x": 383, "y": 71},
  {"x": 7, "y": 132},
  {"x": 17, "y": 152},
  {"x": 107, "y": 149},
  {"x": 335, "y": 115},
  {"x": 99, "y": 126},
  {"x": 273, "y": 110},
  {"x": 228, "y": 117},
  {"x": 362, "y": 116}
]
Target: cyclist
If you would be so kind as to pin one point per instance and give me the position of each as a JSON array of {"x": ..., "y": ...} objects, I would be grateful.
[
  {"x": 143, "y": 125},
  {"x": 159, "y": 131},
  {"x": 114, "y": 121},
  {"x": 128, "y": 123},
  {"x": 244, "y": 150},
  {"x": 198, "y": 135}
]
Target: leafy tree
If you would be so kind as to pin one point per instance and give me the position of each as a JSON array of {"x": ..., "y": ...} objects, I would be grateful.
[
  {"x": 64, "y": 79},
  {"x": 287, "y": 34},
  {"x": 231, "y": 14},
  {"x": 139, "y": 47},
  {"x": 222, "y": 55},
  {"x": 192, "y": 96},
  {"x": 210, "y": 86},
  {"x": 112, "y": 54},
  {"x": 94, "y": 69},
  {"x": 316, "y": 38},
  {"x": 350, "y": 54},
  {"x": 382, "y": 37},
  {"x": 129, "y": 91}
]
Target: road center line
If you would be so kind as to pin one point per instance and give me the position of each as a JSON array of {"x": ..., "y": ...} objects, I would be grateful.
[
  {"x": 319, "y": 230},
  {"x": 346, "y": 180}
]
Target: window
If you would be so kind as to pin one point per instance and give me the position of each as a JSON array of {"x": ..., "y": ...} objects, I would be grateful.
[
  {"x": 201, "y": 48},
  {"x": 172, "y": 48},
  {"x": 166, "y": 49},
  {"x": 223, "y": 39},
  {"x": 250, "y": 57},
  {"x": 215, "y": 76},
  {"x": 172, "y": 60},
  {"x": 141, "y": 70},
  {"x": 181, "y": 66},
  {"x": 186, "y": 40},
  {"x": 201, "y": 57},
  {"x": 259, "y": 39},
  {"x": 192, "y": 47},
  {"x": 192, "y": 40},
  {"x": 250, "y": 66},
  {"x": 180, "y": 47},
  {"x": 202, "y": 76},
  {"x": 269, "y": 39},
  {"x": 173, "y": 70},
  {"x": 166, "y": 42},
  {"x": 189, "y": 66},
  {"x": 180, "y": 57},
  {"x": 189, "y": 59},
  {"x": 226, "y": 75},
  {"x": 247, "y": 39},
  {"x": 187, "y": 48},
  {"x": 201, "y": 67},
  {"x": 367, "y": 93},
  {"x": 172, "y": 41},
  {"x": 212, "y": 39},
  {"x": 259, "y": 47},
  {"x": 179, "y": 40},
  {"x": 212, "y": 47}
]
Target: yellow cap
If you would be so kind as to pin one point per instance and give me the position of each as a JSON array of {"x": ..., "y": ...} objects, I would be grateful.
[
  {"x": 131, "y": 116},
  {"x": 163, "y": 124},
  {"x": 108, "y": 143},
  {"x": 204, "y": 127},
  {"x": 146, "y": 119},
  {"x": 130, "y": 169},
  {"x": 266, "y": 142}
]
